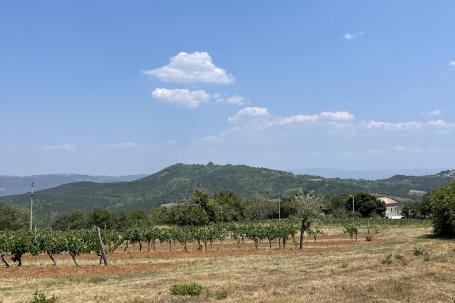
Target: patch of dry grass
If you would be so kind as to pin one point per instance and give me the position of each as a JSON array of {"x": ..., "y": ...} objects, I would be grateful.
[{"x": 326, "y": 271}]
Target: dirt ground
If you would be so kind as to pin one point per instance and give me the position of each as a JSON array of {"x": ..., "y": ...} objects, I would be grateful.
[{"x": 333, "y": 269}]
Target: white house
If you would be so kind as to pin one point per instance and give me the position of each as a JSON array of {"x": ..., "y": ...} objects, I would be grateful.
[{"x": 392, "y": 210}]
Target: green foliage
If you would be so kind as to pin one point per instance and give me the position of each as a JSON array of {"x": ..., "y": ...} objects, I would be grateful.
[
  {"x": 40, "y": 297},
  {"x": 442, "y": 206},
  {"x": 13, "y": 217},
  {"x": 366, "y": 205},
  {"x": 416, "y": 210},
  {"x": 351, "y": 229},
  {"x": 169, "y": 184},
  {"x": 192, "y": 289}
]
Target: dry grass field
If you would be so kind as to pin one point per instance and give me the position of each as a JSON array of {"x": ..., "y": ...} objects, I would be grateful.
[{"x": 334, "y": 269}]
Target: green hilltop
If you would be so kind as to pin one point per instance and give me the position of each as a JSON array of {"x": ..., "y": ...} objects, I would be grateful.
[{"x": 177, "y": 182}]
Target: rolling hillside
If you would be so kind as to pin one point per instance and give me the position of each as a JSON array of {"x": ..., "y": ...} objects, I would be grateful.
[
  {"x": 178, "y": 181},
  {"x": 12, "y": 185}
]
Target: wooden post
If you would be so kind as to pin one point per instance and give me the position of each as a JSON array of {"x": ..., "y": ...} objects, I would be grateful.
[{"x": 103, "y": 255}]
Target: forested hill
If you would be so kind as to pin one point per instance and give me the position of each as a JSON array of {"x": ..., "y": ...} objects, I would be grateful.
[
  {"x": 13, "y": 185},
  {"x": 178, "y": 181}
]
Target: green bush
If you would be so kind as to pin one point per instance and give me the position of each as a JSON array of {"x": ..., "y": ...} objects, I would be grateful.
[
  {"x": 442, "y": 208},
  {"x": 192, "y": 289},
  {"x": 40, "y": 297}
]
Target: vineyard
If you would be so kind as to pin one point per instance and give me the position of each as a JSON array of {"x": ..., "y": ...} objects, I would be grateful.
[{"x": 15, "y": 244}]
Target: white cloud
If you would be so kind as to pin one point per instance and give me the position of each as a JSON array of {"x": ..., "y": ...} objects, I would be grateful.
[
  {"x": 433, "y": 113},
  {"x": 436, "y": 125},
  {"x": 181, "y": 97},
  {"x": 119, "y": 146},
  {"x": 234, "y": 99},
  {"x": 324, "y": 116},
  {"x": 196, "y": 67},
  {"x": 422, "y": 150},
  {"x": 60, "y": 147},
  {"x": 352, "y": 36},
  {"x": 250, "y": 112},
  {"x": 238, "y": 100},
  {"x": 452, "y": 65}
]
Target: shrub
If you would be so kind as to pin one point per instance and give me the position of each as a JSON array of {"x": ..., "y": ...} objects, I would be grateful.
[
  {"x": 369, "y": 238},
  {"x": 221, "y": 295},
  {"x": 442, "y": 209},
  {"x": 344, "y": 265},
  {"x": 40, "y": 297},
  {"x": 402, "y": 259},
  {"x": 192, "y": 289},
  {"x": 387, "y": 260},
  {"x": 418, "y": 251}
]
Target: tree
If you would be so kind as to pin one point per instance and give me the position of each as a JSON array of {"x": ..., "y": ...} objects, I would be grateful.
[
  {"x": 309, "y": 207},
  {"x": 76, "y": 220},
  {"x": 231, "y": 206},
  {"x": 416, "y": 210},
  {"x": 13, "y": 217},
  {"x": 442, "y": 206},
  {"x": 366, "y": 205},
  {"x": 102, "y": 218}
]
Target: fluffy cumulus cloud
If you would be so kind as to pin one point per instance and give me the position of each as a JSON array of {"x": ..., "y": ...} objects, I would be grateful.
[
  {"x": 352, "y": 36},
  {"x": 120, "y": 146},
  {"x": 250, "y": 112},
  {"x": 196, "y": 67},
  {"x": 59, "y": 147},
  {"x": 181, "y": 97}
]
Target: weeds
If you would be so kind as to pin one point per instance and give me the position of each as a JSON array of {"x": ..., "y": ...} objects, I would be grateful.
[
  {"x": 192, "y": 289},
  {"x": 402, "y": 259},
  {"x": 387, "y": 260},
  {"x": 40, "y": 297},
  {"x": 417, "y": 251},
  {"x": 221, "y": 295}
]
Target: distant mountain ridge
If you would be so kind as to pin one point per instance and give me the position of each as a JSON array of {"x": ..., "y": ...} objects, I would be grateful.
[
  {"x": 177, "y": 182},
  {"x": 11, "y": 185},
  {"x": 367, "y": 174}
]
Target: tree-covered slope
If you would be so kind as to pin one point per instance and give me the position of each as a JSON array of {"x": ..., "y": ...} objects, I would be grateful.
[
  {"x": 177, "y": 182},
  {"x": 12, "y": 185}
]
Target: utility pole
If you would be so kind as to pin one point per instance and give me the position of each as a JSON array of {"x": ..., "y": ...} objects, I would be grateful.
[
  {"x": 279, "y": 205},
  {"x": 353, "y": 199},
  {"x": 32, "y": 193}
]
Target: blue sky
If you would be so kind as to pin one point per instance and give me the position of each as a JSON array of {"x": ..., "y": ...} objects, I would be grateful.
[{"x": 124, "y": 88}]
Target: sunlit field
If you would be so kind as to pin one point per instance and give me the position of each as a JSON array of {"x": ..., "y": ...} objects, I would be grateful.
[{"x": 400, "y": 264}]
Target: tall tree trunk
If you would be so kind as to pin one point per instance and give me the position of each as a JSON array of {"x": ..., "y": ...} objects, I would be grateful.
[{"x": 140, "y": 246}]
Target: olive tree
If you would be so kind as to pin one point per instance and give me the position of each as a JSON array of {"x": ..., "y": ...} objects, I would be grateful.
[{"x": 308, "y": 207}]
